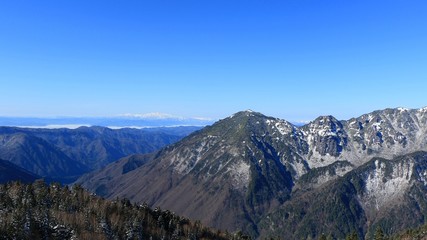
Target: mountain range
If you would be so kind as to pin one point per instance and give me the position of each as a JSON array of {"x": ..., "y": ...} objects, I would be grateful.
[
  {"x": 271, "y": 178},
  {"x": 65, "y": 154}
]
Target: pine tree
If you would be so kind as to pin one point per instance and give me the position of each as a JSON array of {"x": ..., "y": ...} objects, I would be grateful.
[
  {"x": 352, "y": 236},
  {"x": 379, "y": 234},
  {"x": 39, "y": 211}
]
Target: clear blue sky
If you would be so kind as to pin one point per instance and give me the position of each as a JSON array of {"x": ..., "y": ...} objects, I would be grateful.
[{"x": 291, "y": 59}]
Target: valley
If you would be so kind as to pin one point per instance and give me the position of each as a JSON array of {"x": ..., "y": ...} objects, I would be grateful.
[{"x": 65, "y": 154}]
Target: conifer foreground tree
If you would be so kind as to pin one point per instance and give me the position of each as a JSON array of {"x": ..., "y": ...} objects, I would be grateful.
[
  {"x": 352, "y": 236},
  {"x": 379, "y": 234},
  {"x": 323, "y": 237},
  {"x": 40, "y": 211}
]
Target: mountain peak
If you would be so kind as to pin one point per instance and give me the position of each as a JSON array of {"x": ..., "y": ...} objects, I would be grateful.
[
  {"x": 324, "y": 123},
  {"x": 325, "y": 119},
  {"x": 247, "y": 113},
  {"x": 402, "y": 109}
]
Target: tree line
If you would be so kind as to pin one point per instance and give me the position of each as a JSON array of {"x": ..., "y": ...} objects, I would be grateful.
[{"x": 42, "y": 211}]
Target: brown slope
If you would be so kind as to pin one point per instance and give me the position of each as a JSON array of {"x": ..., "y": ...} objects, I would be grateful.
[
  {"x": 214, "y": 175},
  {"x": 213, "y": 203}
]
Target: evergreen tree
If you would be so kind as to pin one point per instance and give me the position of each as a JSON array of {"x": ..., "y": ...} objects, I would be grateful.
[
  {"x": 379, "y": 234},
  {"x": 39, "y": 211},
  {"x": 352, "y": 236}
]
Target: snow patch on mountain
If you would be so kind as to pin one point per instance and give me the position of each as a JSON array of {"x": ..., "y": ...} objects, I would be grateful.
[
  {"x": 283, "y": 127},
  {"x": 332, "y": 175},
  {"x": 240, "y": 172},
  {"x": 401, "y": 109},
  {"x": 424, "y": 109},
  {"x": 387, "y": 183},
  {"x": 185, "y": 160}
]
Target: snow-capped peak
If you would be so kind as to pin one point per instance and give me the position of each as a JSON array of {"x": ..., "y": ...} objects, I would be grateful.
[
  {"x": 401, "y": 109},
  {"x": 152, "y": 115}
]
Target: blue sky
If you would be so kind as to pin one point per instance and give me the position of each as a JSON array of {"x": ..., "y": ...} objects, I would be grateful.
[{"x": 291, "y": 59}]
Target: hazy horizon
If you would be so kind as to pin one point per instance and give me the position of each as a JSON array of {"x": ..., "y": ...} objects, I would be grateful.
[{"x": 149, "y": 120}]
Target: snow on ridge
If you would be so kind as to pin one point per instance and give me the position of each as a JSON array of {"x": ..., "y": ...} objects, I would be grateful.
[
  {"x": 326, "y": 132},
  {"x": 423, "y": 110},
  {"x": 401, "y": 109},
  {"x": 283, "y": 127}
]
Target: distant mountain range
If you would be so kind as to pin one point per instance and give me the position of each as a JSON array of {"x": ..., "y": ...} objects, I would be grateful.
[
  {"x": 122, "y": 121},
  {"x": 274, "y": 179},
  {"x": 65, "y": 154}
]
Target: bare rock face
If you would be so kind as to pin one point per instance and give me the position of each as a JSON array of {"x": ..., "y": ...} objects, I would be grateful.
[
  {"x": 326, "y": 135},
  {"x": 387, "y": 133}
]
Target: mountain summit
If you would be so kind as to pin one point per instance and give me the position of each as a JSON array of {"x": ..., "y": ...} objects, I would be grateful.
[{"x": 233, "y": 173}]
